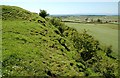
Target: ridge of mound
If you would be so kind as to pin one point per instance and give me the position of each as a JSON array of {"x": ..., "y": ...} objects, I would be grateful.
[{"x": 17, "y": 13}]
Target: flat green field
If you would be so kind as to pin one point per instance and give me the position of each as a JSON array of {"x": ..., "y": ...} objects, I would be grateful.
[{"x": 107, "y": 34}]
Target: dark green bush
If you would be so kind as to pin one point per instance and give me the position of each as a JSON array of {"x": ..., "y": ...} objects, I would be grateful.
[{"x": 43, "y": 13}]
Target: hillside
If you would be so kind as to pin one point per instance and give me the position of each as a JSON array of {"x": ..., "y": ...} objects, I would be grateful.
[{"x": 50, "y": 48}]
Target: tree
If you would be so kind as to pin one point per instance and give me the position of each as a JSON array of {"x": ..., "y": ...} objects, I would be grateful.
[
  {"x": 86, "y": 19},
  {"x": 43, "y": 13},
  {"x": 99, "y": 21}
]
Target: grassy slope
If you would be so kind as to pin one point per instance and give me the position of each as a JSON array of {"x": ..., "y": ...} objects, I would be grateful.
[
  {"x": 30, "y": 52},
  {"x": 107, "y": 34},
  {"x": 31, "y": 48}
]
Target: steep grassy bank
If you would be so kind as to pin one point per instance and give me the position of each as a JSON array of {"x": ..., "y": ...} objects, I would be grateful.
[{"x": 50, "y": 48}]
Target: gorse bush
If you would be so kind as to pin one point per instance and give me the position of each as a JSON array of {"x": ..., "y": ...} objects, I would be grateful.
[
  {"x": 56, "y": 22},
  {"x": 91, "y": 54}
]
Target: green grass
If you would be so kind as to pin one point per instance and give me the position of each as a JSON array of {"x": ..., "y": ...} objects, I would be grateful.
[
  {"x": 28, "y": 51},
  {"x": 107, "y": 34}
]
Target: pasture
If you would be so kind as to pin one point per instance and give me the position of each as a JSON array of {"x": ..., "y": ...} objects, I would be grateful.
[{"x": 107, "y": 34}]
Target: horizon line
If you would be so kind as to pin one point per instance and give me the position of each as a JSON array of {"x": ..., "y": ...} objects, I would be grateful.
[{"x": 83, "y": 14}]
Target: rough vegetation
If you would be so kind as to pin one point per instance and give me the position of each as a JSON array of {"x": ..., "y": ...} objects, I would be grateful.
[{"x": 33, "y": 46}]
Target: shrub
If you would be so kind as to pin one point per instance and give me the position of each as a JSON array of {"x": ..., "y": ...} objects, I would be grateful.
[
  {"x": 56, "y": 21},
  {"x": 43, "y": 13},
  {"x": 99, "y": 20},
  {"x": 58, "y": 24}
]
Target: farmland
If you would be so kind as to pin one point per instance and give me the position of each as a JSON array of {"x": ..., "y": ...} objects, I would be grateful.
[{"x": 91, "y": 18}]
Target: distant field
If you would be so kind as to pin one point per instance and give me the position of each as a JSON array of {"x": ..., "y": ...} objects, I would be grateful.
[
  {"x": 110, "y": 19},
  {"x": 107, "y": 34}
]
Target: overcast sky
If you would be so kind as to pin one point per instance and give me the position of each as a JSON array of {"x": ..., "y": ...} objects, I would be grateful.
[{"x": 108, "y": 7}]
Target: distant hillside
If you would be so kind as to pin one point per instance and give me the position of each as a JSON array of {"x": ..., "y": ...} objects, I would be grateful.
[{"x": 34, "y": 46}]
